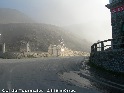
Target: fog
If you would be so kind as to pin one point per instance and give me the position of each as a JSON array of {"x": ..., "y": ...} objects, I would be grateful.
[{"x": 92, "y": 15}]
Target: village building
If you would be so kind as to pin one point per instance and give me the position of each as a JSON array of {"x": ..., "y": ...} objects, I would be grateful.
[{"x": 54, "y": 50}]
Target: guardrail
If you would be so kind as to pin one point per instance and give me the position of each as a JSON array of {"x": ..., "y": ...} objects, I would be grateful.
[{"x": 117, "y": 43}]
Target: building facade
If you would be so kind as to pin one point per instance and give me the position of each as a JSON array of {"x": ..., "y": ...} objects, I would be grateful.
[
  {"x": 117, "y": 22},
  {"x": 54, "y": 50},
  {"x": 111, "y": 58}
]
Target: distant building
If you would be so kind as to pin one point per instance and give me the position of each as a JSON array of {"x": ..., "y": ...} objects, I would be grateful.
[
  {"x": 25, "y": 47},
  {"x": 54, "y": 50},
  {"x": 58, "y": 50}
]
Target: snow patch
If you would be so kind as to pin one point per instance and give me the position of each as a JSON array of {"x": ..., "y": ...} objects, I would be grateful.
[{"x": 73, "y": 78}]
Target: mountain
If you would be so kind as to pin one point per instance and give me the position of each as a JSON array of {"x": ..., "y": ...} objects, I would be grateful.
[
  {"x": 40, "y": 36},
  {"x": 13, "y": 16},
  {"x": 17, "y": 29}
]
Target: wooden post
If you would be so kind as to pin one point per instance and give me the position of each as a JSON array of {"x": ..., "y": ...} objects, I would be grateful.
[
  {"x": 92, "y": 48},
  {"x": 95, "y": 48},
  {"x": 102, "y": 46},
  {"x": 112, "y": 44}
]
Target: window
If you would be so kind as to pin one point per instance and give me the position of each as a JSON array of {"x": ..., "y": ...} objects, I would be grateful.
[{"x": 122, "y": 27}]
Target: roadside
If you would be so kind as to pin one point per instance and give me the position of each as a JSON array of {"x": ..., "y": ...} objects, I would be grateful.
[{"x": 92, "y": 78}]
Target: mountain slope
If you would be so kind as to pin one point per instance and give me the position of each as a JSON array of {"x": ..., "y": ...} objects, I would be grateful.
[
  {"x": 17, "y": 29},
  {"x": 40, "y": 36},
  {"x": 13, "y": 16}
]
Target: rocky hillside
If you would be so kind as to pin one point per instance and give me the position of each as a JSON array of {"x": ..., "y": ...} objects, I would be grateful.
[
  {"x": 40, "y": 36},
  {"x": 17, "y": 29}
]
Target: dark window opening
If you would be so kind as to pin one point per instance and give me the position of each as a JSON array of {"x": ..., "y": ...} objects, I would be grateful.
[
  {"x": 122, "y": 36},
  {"x": 122, "y": 29},
  {"x": 0, "y": 47}
]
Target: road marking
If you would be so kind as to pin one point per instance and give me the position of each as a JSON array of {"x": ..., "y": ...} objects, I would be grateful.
[{"x": 9, "y": 86}]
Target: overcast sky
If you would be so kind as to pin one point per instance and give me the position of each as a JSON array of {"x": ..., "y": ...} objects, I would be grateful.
[{"x": 66, "y": 12}]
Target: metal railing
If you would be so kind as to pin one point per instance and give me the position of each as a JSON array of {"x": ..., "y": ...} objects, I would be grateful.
[{"x": 117, "y": 43}]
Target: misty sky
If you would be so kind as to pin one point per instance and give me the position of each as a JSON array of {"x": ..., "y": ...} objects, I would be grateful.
[{"x": 66, "y": 12}]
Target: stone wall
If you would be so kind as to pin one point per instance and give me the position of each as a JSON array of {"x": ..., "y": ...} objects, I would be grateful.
[
  {"x": 110, "y": 60},
  {"x": 69, "y": 52},
  {"x": 53, "y": 51},
  {"x": 19, "y": 55}
]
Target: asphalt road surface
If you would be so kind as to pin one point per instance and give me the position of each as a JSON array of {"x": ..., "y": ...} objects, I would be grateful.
[
  {"x": 41, "y": 75},
  {"x": 45, "y": 75}
]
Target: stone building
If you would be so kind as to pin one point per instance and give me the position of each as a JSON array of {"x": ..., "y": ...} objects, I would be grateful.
[
  {"x": 25, "y": 47},
  {"x": 54, "y": 50},
  {"x": 117, "y": 21},
  {"x": 113, "y": 57},
  {"x": 58, "y": 50}
]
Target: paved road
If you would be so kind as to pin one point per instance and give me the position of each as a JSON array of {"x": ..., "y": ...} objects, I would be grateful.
[{"x": 43, "y": 74}]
